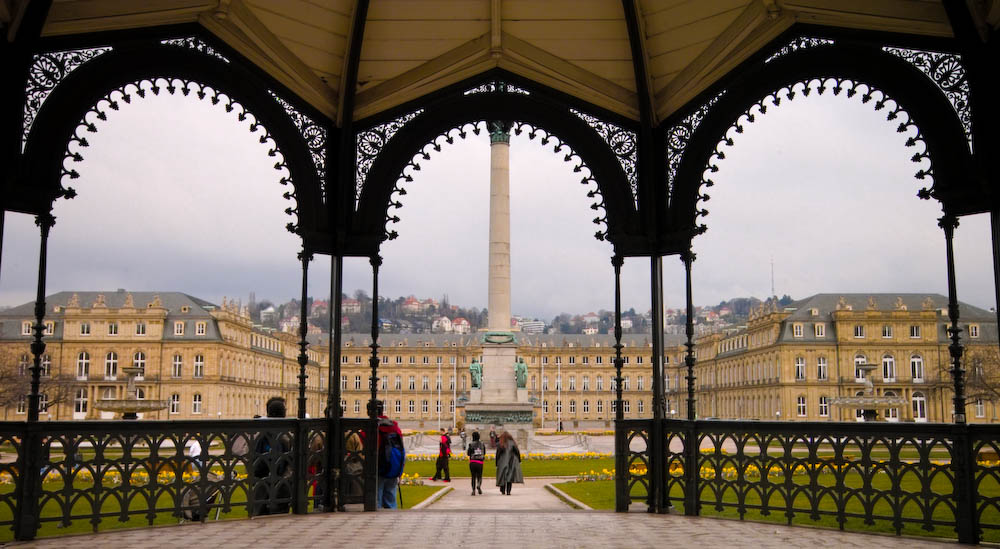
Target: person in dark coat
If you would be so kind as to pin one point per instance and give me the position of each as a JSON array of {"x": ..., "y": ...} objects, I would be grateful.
[
  {"x": 444, "y": 454},
  {"x": 508, "y": 463},
  {"x": 477, "y": 454}
]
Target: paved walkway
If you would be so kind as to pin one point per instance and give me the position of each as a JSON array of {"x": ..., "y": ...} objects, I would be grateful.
[
  {"x": 416, "y": 529},
  {"x": 530, "y": 496}
]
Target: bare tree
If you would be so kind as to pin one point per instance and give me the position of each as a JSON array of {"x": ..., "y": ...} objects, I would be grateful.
[
  {"x": 15, "y": 381},
  {"x": 982, "y": 366}
]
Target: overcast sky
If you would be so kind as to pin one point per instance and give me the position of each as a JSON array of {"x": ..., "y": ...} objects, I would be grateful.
[{"x": 176, "y": 195}]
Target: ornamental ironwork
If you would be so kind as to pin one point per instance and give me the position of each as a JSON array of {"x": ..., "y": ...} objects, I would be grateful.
[
  {"x": 800, "y": 43},
  {"x": 498, "y": 417},
  {"x": 46, "y": 72},
  {"x": 195, "y": 44},
  {"x": 623, "y": 144},
  {"x": 313, "y": 134},
  {"x": 497, "y": 87},
  {"x": 680, "y": 134},
  {"x": 113, "y": 99},
  {"x": 948, "y": 74},
  {"x": 369, "y": 145},
  {"x": 851, "y": 88}
]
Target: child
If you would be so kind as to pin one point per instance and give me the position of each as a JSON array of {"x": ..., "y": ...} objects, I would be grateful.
[{"x": 477, "y": 453}]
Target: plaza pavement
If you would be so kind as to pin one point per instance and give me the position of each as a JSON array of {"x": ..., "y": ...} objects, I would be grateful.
[{"x": 529, "y": 517}]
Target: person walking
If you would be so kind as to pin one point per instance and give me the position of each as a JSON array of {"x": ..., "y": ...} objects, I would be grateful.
[
  {"x": 477, "y": 454},
  {"x": 388, "y": 480},
  {"x": 444, "y": 455},
  {"x": 508, "y": 463}
]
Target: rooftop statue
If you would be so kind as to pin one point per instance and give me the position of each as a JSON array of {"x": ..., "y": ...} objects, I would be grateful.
[{"x": 521, "y": 373}]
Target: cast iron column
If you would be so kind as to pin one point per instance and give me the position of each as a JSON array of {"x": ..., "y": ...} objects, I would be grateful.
[
  {"x": 305, "y": 256},
  {"x": 371, "y": 440},
  {"x": 688, "y": 258},
  {"x": 44, "y": 222},
  {"x": 621, "y": 444},
  {"x": 655, "y": 445},
  {"x": 949, "y": 222},
  {"x": 335, "y": 438}
]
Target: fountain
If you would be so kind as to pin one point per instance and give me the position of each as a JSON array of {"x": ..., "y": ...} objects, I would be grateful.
[
  {"x": 131, "y": 405},
  {"x": 869, "y": 403}
]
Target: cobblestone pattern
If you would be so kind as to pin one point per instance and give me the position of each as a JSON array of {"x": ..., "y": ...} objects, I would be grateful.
[{"x": 476, "y": 528}]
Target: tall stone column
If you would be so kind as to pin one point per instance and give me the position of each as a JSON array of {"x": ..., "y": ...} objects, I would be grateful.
[{"x": 499, "y": 282}]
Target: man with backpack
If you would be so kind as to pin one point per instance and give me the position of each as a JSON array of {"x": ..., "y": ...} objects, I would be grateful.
[
  {"x": 391, "y": 459},
  {"x": 477, "y": 455}
]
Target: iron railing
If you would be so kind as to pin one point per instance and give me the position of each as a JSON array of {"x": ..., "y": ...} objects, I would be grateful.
[
  {"x": 88, "y": 474},
  {"x": 930, "y": 479}
]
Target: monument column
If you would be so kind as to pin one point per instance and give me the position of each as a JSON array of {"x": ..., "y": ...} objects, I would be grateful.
[{"x": 499, "y": 281}]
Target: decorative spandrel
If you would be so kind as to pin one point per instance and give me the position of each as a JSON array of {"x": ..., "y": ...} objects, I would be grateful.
[
  {"x": 46, "y": 72},
  {"x": 313, "y": 134},
  {"x": 370, "y": 143},
  {"x": 680, "y": 134},
  {"x": 948, "y": 74},
  {"x": 194, "y": 44},
  {"x": 623, "y": 144},
  {"x": 498, "y": 87},
  {"x": 800, "y": 43}
]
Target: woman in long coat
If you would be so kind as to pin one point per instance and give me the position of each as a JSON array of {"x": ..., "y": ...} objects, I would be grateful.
[{"x": 508, "y": 463}]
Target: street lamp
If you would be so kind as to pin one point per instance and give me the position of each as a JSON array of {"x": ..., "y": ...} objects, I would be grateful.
[
  {"x": 777, "y": 415},
  {"x": 673, "y": 413}
]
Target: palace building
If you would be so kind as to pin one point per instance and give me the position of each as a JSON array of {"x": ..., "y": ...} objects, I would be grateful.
[{"x": 789, "y": 363}]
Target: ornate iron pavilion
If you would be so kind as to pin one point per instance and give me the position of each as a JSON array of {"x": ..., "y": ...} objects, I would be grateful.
[{"x": 640, "y": 97}]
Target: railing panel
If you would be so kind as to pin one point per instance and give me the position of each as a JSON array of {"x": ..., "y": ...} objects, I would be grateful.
[
  {"x": 877, "y": 476},
  {"x": 676, "y": 435},
  {"x": 986, "y": 478},
  {"x": 633, "y": 442},
  {"x": 352, "y": 477},
  {"x": 10, "y": 477},
  {"x": 316, "y": 460}
]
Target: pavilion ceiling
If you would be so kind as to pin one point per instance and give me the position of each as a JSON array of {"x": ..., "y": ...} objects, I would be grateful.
[{"x": 581, "y": 47}]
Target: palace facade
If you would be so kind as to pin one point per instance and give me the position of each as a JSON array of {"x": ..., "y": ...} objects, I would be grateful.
[{"x": 790, "y": 363}]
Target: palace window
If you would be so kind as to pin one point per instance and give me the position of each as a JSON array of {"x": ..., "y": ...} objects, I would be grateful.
[
  {"x": 980, "y": 408},
  {"x": 796, "y": 330},
  {"x": 824, "y": 406},
  {"x": 357, "y": 359},
  {"x": 399, "y": 359},
  {"x": 638, "y": 360},
  {"x": 586, "y": 383},
  {"x": 451, "y": 406},
  {"x": 800, "y": 368},
  {"x": 572, "y": 383},
  {"x": 859, "y": 330},
  {"x": 50, "y": 328},
  {"x": 139, "y": 361},
  {"x": 46, "y": 366},
  {"x": 451, "y": 383},
  {"x": 43, "y": 403},
  {"x": 887, "y": 331},
  {"x": 437, "y": 406},
  {"x": 801, "y": 406},
  {"x": 140, "y": 328},
  {"x": 177, "y": 369},
  {"x": 26, "y": 328},
  {"x": 888, "y": 368},
  {"x": 820, "y": 330},
  {"x": 822, "y": 368},
  {"x": 572, "y": 406},
  {"x": 586, "y": 360},
  {"x": 413, "y": 359},
  {"x": 384, "y": 385},
  {"x": 83, "y": 365},
  {"x": 917, "y": 368},
  {"x": 196, "y": 403},
  {"x": 399, "y": 406},
  {"x": 413, "y": 383},
  {"x": 974, "y": 331},
  {"x": 626, "y": 406},
  {"x": 22, "y": 365},
  {"x": 80, "y": 401},
  {"x": 199, "y": 366},
  {"x": 343, "y": 383},
  {"x": 859, "y": 360},
  {"x": 600, "y": 383},
  {"x": 641, "y": 405},
  {"x": 891, "y": 414},
  {"x": 21, "y": 405},
  {"x": 397, "y": 385},
  {"x": 357, "y": 383},
  {"x": 199, "y": 328},
  {"x": 425, "y": 383},
  {"x": 915, "y": 331},
  {"x": 572, "y": 360},
  {"x": 586, "y": 406},
  {"x": 919, "y": 407},
  {"x": 545, "y": 406},
  {"x": 423, "y": 406},
  {"x": 625, "y": 382},
  {"x": 178, "y": 328},
  {"x": 111, "y": 365},
  {"x": 600, "y": 406},
  {"x": 411, "y": 406},
  {"x": 85, "y": 328},
  {"x": 545, "y": 360},
  {"x": 357, "y": 406},
  {"x": 343, "y": 359},
  {"x": 558, "y": 360},
  {"x": 599, "y": 360},
  {"x": 545, "y": 383},
  {"x": 638, "y": 383}
]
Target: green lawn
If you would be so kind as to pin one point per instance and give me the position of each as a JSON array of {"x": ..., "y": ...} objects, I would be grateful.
[
  {"x": 412, "y": 495},
  {"x": 601, "y": 495},
  {"x": 529, "y": 467}
]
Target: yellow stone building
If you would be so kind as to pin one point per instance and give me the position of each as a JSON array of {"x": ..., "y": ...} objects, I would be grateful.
[
  {"x": 210, "y": 361},
  {"x": 791, "y": 362}
]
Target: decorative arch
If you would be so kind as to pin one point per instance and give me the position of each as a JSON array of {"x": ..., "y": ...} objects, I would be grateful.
[
  {"x": 872, "y": 75},
  {"x": 121, "y": 73},
  {"x": 416, "y": 135}
]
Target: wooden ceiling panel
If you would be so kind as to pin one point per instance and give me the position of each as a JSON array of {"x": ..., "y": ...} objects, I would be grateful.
[
  {"x": 392, "y": 30},
  {"x": 559, "y": 10},
  {"x": 314, "y": 34},
  {"x": 429, "y": 10},
  {"x": 688, "y": 13},
  {"x": 609, "y": 29},
  {"x": 80, "y": 16},
  {"x": 372, "y": 72},
  {"x": 672, "y": 62},
  {"x": 683, "y": 38},
  {"x": 582, "y": 49},
  {"x": 385, "y": 50},
  {"x": 611, "y": 70}
]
